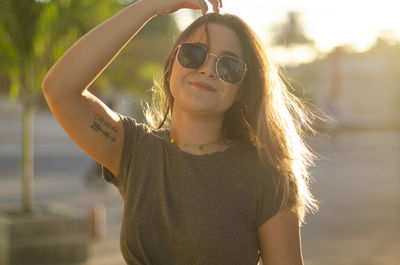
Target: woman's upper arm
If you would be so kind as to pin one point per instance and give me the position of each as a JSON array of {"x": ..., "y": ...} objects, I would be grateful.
[
  {"x": 279, "y": 240},
  {"x": 95, "y": 128}
]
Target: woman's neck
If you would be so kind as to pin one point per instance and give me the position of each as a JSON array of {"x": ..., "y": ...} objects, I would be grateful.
[
  {"x": 197, "y": 134},
  {"x": 196, "y": 130}
]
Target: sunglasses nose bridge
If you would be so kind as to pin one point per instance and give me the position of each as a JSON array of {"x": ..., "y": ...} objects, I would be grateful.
[
  {"x": 213, "y": 55},
  {"x": 210, "y": 65}
]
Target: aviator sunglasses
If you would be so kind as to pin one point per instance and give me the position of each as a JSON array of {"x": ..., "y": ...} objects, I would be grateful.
[{"x": 229, "y": 68}]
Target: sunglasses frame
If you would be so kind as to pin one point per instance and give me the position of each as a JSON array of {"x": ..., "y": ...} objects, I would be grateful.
[{"x": 216, "y": 62}]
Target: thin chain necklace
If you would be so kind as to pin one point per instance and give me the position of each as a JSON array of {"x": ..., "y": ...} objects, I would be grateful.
[{"x": 199, "y": 146}]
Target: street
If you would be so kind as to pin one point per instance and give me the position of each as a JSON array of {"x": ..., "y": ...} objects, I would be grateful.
[{"x": 357, "y": 179}]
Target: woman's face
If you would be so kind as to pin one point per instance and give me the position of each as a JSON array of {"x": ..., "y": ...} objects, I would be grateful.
[{"x": 187, "y": 85}]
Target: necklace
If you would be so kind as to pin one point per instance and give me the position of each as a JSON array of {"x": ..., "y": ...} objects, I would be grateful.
[{"x": 199, "y": 146}]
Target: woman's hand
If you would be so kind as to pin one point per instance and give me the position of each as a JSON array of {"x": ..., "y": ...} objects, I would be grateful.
[{"x": 171, "y": 6}]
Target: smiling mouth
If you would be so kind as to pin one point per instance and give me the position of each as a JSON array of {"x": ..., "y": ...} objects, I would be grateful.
[{"x": 203, "y": 86}]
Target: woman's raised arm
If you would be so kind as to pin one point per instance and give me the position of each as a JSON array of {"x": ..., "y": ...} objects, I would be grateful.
[
  {"x": 95, "y": 128},
  {"x": 91, "y": 54}
]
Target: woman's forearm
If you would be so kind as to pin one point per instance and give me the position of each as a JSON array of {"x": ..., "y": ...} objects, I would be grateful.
[{"x": 92, "y": 53}]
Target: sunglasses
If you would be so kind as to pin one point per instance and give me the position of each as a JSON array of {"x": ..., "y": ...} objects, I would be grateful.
[{"x": 229, "y": 68}]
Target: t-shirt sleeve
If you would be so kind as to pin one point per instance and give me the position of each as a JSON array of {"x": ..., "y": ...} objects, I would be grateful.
[
  {"x": 268, "y": 203},
  {"x": 133, "y": 134}
]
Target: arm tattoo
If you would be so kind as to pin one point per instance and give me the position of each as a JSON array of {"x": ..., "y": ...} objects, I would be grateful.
[{"x": 99, "y": 124}]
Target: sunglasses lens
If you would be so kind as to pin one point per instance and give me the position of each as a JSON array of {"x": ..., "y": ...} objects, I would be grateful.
[
  {"x": 230, "y": 70},
  {"x": 191, "y": 55}
]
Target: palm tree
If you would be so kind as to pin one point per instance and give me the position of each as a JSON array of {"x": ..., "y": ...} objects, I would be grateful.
[
  {"x": 19, "y": 21},
  {"x": 35, "y": 33},
  {"x": 291, "y": 32}
]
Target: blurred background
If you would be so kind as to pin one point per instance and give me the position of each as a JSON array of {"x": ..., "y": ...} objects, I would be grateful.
[{"x": 342, "y": 57}]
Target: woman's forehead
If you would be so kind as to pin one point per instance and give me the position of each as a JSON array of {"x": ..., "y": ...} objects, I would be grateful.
[{"x": 220, "y": 38}]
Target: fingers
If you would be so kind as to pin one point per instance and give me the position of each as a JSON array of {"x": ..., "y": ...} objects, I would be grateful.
[
  {"x": 203, "y": 6},
  {"x": 196, "y": 4},
  {"x": 206, "y": 7},
  {"x": 173, "y": 10},
  {"x": 216, "y": 5}
]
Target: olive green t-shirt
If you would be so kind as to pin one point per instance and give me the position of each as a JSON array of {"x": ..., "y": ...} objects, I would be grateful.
[{"x": 183, "y": 209}]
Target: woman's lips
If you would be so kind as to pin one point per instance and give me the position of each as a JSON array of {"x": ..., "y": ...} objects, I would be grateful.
[{"x": 203, "y": 86}]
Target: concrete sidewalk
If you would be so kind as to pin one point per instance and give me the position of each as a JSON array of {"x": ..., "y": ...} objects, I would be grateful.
[
  {"x": 357, "y": 180},
  {"x": 60, "y": 168}
]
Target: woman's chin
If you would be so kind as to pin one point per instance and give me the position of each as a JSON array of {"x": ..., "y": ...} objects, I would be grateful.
[
  {"x": 200, "y": 109},
  {"x": 200, "y": 103}
]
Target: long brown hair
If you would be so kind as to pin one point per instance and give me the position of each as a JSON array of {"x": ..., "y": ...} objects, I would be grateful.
[{"x": 267, "y": 114}]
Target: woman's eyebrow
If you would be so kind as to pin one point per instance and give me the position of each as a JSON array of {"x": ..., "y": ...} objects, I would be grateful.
[
  {"x": 224, "y": 52},
  {"x": 230, "y": 53}
]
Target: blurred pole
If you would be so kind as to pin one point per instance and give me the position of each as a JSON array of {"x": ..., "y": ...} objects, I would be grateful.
[
  {"x": 335, "y": 85},
  {"x": 97, "y": 221},
  {"x": 335, "y": 76},
  {"x": 27, "y": 147}
]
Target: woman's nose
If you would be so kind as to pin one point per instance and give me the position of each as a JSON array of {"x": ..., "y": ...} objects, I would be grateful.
[{"x": 209, "y": 65}]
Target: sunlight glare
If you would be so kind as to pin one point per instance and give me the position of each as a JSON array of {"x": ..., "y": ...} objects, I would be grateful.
[{"x": 352, "y": 23}]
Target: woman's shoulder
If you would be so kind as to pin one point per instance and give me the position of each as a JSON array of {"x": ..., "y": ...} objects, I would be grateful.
[
  {"x": 131, "y": 122},
  {"x": 140, "y": 134},
  {"x": 249, "y": 155},
  {"x": 246, "y": 150}
]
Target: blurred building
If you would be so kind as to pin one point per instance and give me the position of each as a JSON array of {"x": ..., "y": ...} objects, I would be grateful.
[{"x": 359, "y": 90}]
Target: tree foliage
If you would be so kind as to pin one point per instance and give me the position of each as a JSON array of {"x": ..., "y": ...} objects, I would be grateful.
[
  {"x": 141, "y": 60},
  {"x": 35, "y": 33},
  {"x": 291, "y": 32}
]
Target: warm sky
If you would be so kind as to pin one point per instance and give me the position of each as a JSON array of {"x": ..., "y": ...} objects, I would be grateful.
[{"x": 329, "y": 23}]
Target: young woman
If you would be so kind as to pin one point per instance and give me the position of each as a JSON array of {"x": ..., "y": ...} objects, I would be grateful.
[{"x": 219, "y": 174}]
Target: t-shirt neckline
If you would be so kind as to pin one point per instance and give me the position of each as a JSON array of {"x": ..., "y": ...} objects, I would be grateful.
[{"x": 165, "y": 137}]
